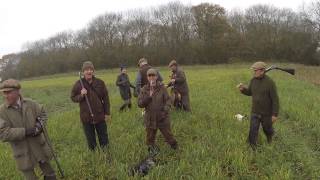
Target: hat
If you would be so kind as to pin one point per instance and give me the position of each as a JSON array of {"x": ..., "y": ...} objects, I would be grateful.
[
  {"x": 259, "y": 65},
  {"x": 173, "y": 62},
  {"x": 152, "y": 71},
  {"x": 142, "y": 61},
  {"x": 86, "y": 65},
  {"x": 9, "y": 85},
  {"x": 122, "y": 67}
]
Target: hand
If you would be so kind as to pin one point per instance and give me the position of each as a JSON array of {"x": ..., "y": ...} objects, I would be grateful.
[
  {"x": 83, "y": 91},
  {"x": 151, "y": 92},
  {"x": 173, "y": 80},
  {"x": 32, "y": 132},
  {"x": 241, "y": 86},
  {"x": 107, "y": 118},
  {"x": 274, "y": 119}
]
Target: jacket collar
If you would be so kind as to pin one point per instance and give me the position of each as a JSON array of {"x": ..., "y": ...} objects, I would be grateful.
[{"x": 18, "y": 104}]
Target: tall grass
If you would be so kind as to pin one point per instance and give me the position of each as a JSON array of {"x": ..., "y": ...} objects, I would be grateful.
[{"x": 212, "y": 144}]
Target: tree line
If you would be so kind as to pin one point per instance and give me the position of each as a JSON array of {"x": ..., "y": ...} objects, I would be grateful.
[{"x": 202, "y": 34}]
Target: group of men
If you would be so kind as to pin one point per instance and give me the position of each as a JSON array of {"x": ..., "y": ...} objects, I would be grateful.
[{"x": 22, "y": 120}]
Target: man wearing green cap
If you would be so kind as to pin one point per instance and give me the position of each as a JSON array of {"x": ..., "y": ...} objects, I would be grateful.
[
  {"x": 156, "y": 101},
  {"x": 96, "y": 92},
  {"x": 141, "y": 78},
  {"x": 20, "y": 126},
  {"x": 180, "y": 87},
  {"x": 265, "y": 103}
]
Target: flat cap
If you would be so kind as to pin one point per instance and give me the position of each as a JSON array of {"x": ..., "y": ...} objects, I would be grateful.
[
  {"x": 142, "y": 61},
  {"x": 9, "y": 85},
  {"x": 87, "y": 64},
  {"x": 259, "y": 65},
  {"x": 173, "y": 62},
  {"x": 152, "y": 71}
]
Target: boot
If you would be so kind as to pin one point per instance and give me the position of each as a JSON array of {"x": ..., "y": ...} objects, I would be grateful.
[
  {"x": 174, "y": 146},
  {"x": 122, "y": 107},
  {"x": 153, "y": 150},
  {"x": 50, "y": 177}
]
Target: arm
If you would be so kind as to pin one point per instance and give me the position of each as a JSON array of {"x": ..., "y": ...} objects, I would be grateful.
[
  {"x": 247, "y": 90},
  {"x": 274, "y": 99},
  {"x": 144, "y": 99},
  {"x": 8, "y": 133},
  {"x": 119, "y": 82},
  {"x": 106, "y": 101},
  {"x": 138, "y": 83},
  {"x": 166, "y": 99},
  {"x": 181, "y": 77},
  {"x": 159, "y": 77},
  {"x": 75, "y": 93}
]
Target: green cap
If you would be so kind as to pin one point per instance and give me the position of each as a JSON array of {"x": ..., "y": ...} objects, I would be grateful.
[
  {"x": 86, "y": 65},
  {"x": 9, "y": 85}
]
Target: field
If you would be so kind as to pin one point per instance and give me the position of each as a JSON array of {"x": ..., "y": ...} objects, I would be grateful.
[{"x": 212, "y": 143}]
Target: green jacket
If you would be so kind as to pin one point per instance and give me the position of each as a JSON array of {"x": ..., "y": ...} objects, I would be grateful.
[
  {"x": 27, "y": 151},
  {"x": 157, "y": 107},
  {"x": 265, "y": 100}
]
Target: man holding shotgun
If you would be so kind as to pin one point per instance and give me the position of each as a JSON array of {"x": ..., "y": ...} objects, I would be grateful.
[
  {"x": 92, "y": 95},
  {"x": 265, "y": 103},
  {"x": 22, "y": 123}
]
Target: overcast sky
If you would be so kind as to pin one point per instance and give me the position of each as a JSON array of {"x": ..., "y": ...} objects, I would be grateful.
[{"x": 24, "y": 21}]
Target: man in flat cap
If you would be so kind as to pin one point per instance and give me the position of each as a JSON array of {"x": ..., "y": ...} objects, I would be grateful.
[
  {"x": 98, "y": 98},
  {"x": 265, "y": 103},
  {"x": 20, "y": 126},
  {"x": 179, "y": 86},
  {"x": 141, "y": 78},
  {"x": 156, "y": 101}
]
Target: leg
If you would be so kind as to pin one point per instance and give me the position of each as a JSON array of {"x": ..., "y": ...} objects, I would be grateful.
[
  {"x": 267, "y": 128},
  {"x": 47, "y": 171},
  {"x": 123, "y": 107},
  {"x": 101, "y": 129},
  {"x": 151, "y": 136},
  {"x": 167, "y": 134},
  {"x": 129, "y": 103},
  {"x": 90, "y": 135},
  {"x": 29, "y": 175},
  {"x": 254, "y": 130},
  {"x": 150, "y": 141},
  {"x": 185, "y": 102}
]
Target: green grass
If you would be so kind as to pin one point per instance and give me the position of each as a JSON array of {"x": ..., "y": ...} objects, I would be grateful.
[{"x": 212, "y": 143}]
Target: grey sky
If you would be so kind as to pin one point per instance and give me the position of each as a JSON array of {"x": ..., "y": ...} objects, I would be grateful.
[{"x": 24, "y": 21}]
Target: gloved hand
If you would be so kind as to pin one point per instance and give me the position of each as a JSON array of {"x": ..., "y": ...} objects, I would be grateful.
[{"x": 35, "y": 131}]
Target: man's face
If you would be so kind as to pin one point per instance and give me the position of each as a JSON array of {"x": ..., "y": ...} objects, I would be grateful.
[
  {"x": 258, "y": 73},
  {"x": 173, "y": 68},
  {"x": 152, "y": 78},
  {"x": 124, "y": 71},
  {"x": 11, "y": 97},
  {"x": 88, "y": 73}
]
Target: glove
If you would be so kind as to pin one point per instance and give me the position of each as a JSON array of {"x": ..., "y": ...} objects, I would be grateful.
[{"x": 35, "y": 131}]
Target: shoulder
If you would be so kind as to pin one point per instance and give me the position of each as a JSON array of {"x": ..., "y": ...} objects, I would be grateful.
[
  {"x": 29, "y": 101},
  {"x": 3, "y": 108},
  {"x": 99, "y": 81},
  {"x": 269, "y": 80}
]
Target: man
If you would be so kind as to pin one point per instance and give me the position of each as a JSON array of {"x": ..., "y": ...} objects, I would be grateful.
[
  {"x": 265, "y": 103},
  {"x": 20, "y": 126},
  {"x": 96, "y": 92},
  {"x": 124, "y": 85},
  {"x": 180, "y": 87},
  {"x": 156, "y": 101},
  {"x": 142, "y": 79}
]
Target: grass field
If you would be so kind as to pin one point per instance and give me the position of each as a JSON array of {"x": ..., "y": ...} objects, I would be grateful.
[{"x": 212, "y": 143}]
